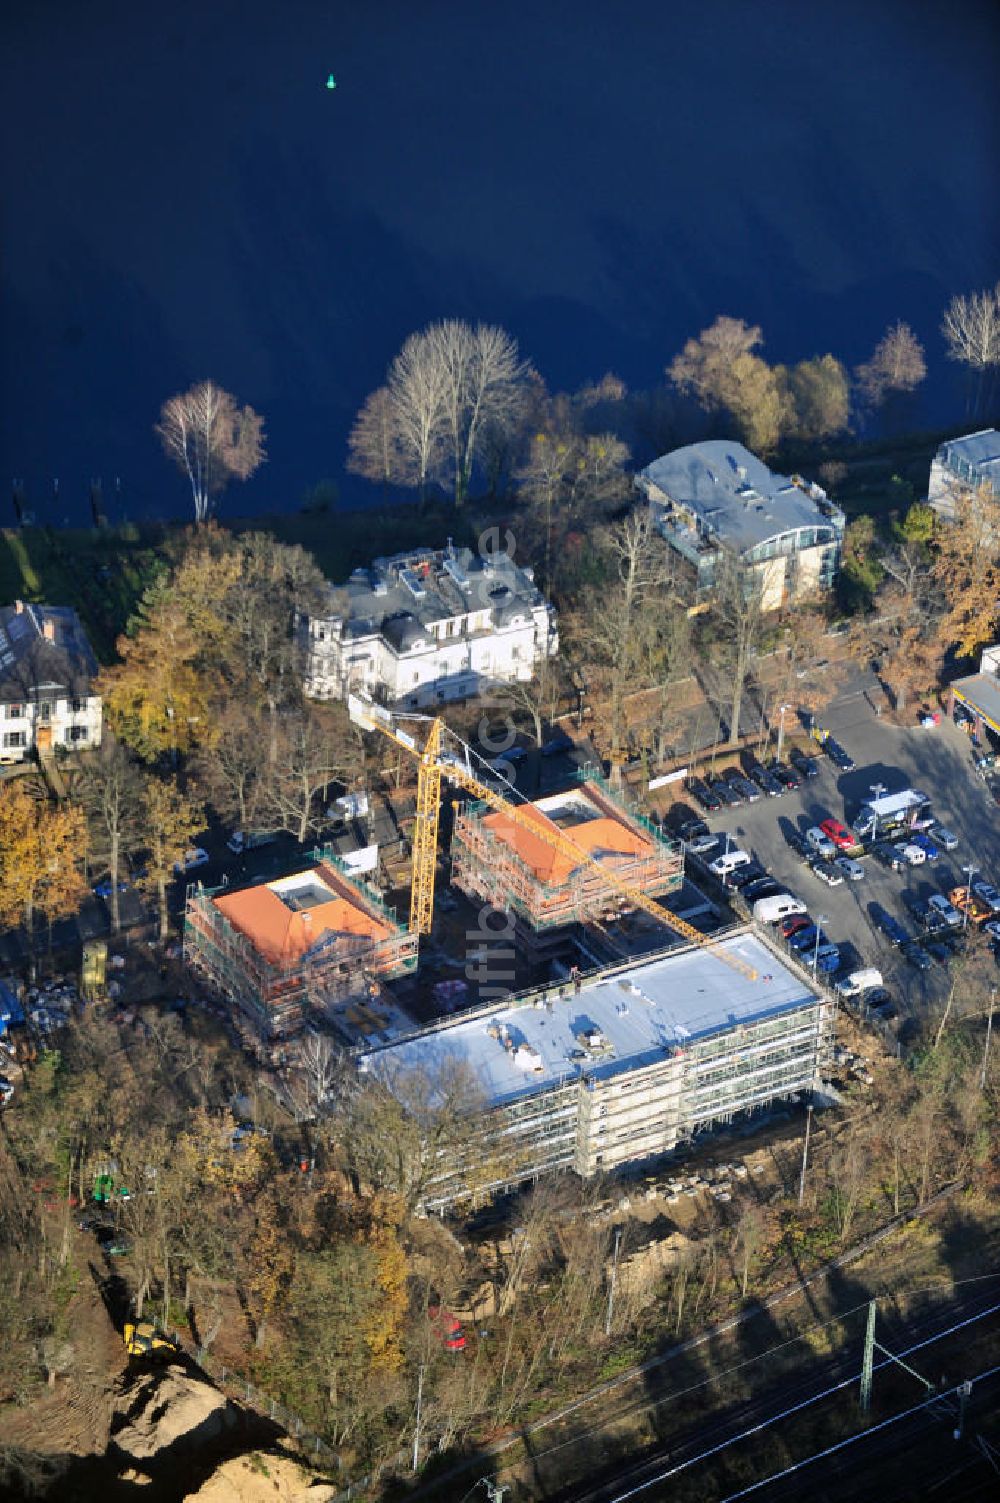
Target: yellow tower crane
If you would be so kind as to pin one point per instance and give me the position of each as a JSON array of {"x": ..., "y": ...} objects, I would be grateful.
[{"x": 436, "y": 762}]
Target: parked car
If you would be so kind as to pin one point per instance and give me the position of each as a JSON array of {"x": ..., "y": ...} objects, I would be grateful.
[
  {"x": 724, "y": 793},
  {"x": 785, "y": 775},
  {"x": 888, "y": 856},
  {"x": 827, "y": 959},
  {"x": 851, "y": 869},
  {"x": 926, "y": 844},
  {"x": 988, "y": 894},
  {"x": 858, "y": 982},
  {"x": 805, "y": 939},
  {"x": 911, "y": 854},
  {"x": 698, "y": 837},
  {"x": 843, "y": 838},
  {"x": 742, "y": 876},
  {"x": 820, "y": 842},
  {"x": 916, "y": 907},
  {"x": 776, "y": 908},
  {"x": 890, "y": 926},
  {"x": 949, "y": 915},
  {"x": 840, "y": 758},
  {"x": 766, "y": 781},
  {"x": 729, "y": 861},
  {"x": 807, "y": 766},
  {"x": 557, "y": 744},
  {"x": 761, "y": 887},
  {"x": 943, "y": 837},
  {"x": 192, "y": 859},
  {"x": 916, "y": 955},
  {"x": 794, "y": 923},
  {"x": 826, "y": 872},
  {"x": 748, "y": 792},
  {"x": 992, "y": 928},
  {"x": 103, "y": 888},
  {"x": 702, "y": 794}
]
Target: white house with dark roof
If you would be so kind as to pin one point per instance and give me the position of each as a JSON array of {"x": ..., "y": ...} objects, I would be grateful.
[
  {"x": 429, "y": 626},
  {"x": 968, "y": 463},
  {"x": 47, "y": 668},
  {"x": 717, "y": 497}
]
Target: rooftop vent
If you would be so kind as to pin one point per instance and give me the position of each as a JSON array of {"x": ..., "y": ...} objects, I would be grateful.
[
  {"x": 453, "y": 568},
  {"x": 412, "y": 583}
]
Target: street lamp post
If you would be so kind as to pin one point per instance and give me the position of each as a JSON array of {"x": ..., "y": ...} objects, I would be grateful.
[
  {"x": 819, "y": 921},
  {"x": 970, "y": 872},
  {"x": 876, "y": 790},
  {"x": 781, "y": 728}
]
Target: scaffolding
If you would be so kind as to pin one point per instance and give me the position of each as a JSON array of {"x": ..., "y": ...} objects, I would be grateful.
[
  {"x": 276, "y": 991},
  {"x": 497, "y": 862}
]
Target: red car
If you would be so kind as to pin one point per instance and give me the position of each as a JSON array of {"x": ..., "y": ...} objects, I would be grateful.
[
  {"x": 794, "y": 923},
  {"x": 449, "y": 1329},
  {"x": 843, "y": 838}
]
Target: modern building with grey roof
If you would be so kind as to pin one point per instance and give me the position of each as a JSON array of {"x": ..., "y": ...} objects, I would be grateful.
[
  {"x": 968, "y": 463},
  {"x": 46, "y": 672},
  {"x": 433, "y": 625},
  {"x": 624, "y": 1065},
  {"x": 717, "y": 497}
]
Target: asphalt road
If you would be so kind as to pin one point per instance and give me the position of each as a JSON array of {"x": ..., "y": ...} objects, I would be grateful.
[{"x": 939, "y": 762}]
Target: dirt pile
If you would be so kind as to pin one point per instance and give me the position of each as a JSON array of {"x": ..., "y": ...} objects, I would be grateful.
[
  {"x": 263, "y": 1477},
  {"x": 173, "y": 1436},
  {"x": 169, "y": 1409}
]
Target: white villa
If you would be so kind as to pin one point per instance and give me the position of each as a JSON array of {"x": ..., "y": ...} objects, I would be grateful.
[
  {"x": 46, "y": 669},
  {"x": 717, "y": 497},
  {"x": 969, "y": 464},
  {"x": 425, "y": 627}
]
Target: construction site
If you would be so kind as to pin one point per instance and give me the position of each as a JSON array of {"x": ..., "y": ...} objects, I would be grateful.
[
  {"x": 623, "y": 1066},
  {"x": 512, "y": 864},
  {"x": 316, "y": 942}
]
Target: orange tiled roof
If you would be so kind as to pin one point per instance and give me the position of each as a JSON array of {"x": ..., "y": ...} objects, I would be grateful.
[
  {"x": 280, "y": 934},
  {"x": 603, "y": 838}
]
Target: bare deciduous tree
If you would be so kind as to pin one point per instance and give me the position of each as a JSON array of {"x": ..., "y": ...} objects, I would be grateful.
[
  {"x": 211, "y": 439},
  {"x": 374, "y": 450},
  {"x": 416, "y": 388},
  {"x": 738, "y": 605},
  {"x": 971, "y": 328},
  {"x": 484, "y": 381},
  {"x": 897, "y": 364}
]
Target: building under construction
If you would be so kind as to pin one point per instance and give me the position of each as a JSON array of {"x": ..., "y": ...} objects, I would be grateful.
[
  {"x": 621, "y": 1066},
  {"x": 304, "y": 942},
  {"x": 500, "y": 862}
]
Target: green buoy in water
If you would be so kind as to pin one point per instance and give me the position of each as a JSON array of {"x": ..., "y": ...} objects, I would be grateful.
[{"x": 331, "y": 82}]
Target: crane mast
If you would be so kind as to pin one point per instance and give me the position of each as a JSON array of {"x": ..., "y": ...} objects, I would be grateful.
[{"x": 436, "y": 763}]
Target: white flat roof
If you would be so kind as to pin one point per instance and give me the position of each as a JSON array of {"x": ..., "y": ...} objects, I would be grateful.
[{"x": 640, "y": 1011}]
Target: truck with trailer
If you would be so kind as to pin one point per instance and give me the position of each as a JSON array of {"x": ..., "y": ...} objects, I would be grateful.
[{"x": 889, "y": 814}]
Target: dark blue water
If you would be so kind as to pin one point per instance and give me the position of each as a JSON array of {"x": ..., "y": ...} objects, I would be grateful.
[{"x": 183, "y": 197}]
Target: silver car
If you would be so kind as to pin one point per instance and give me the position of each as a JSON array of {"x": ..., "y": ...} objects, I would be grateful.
[{"x": 852, "y": 870}]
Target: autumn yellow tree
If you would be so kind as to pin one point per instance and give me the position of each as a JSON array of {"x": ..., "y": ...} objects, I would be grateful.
[
  {"x": 966, "y": 571},
  {"x": 156, "y": 699},
  {"x": 170, "y": 821},
  {"x": 42, "y": 848}
]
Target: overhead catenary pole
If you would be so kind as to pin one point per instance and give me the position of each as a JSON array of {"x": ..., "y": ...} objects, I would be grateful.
[
  {"x": 970, "y": 871},
  {"x": 989, "y": 1031},
  {"x": 611, "y": 1285},
  {"x": 867, "y": 1360},
  {"x": 805, "y": 1153},
  {"x": 416, "y": 1432}
]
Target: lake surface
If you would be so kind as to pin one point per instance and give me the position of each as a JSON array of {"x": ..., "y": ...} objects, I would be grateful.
[{"x": 183, "y": 197}]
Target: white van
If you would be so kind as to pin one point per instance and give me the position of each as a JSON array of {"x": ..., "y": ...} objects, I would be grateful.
[
  {"x": 728, "y": 862},
  {"x": 780, "y": 905},
  {"x": 859, "y": 981}
]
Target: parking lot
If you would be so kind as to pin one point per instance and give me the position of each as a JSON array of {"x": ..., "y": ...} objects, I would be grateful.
[{"x": 939, "y": 763}]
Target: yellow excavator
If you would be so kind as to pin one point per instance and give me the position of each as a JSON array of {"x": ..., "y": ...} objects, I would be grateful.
[{"x": 143, "y": 1337}]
